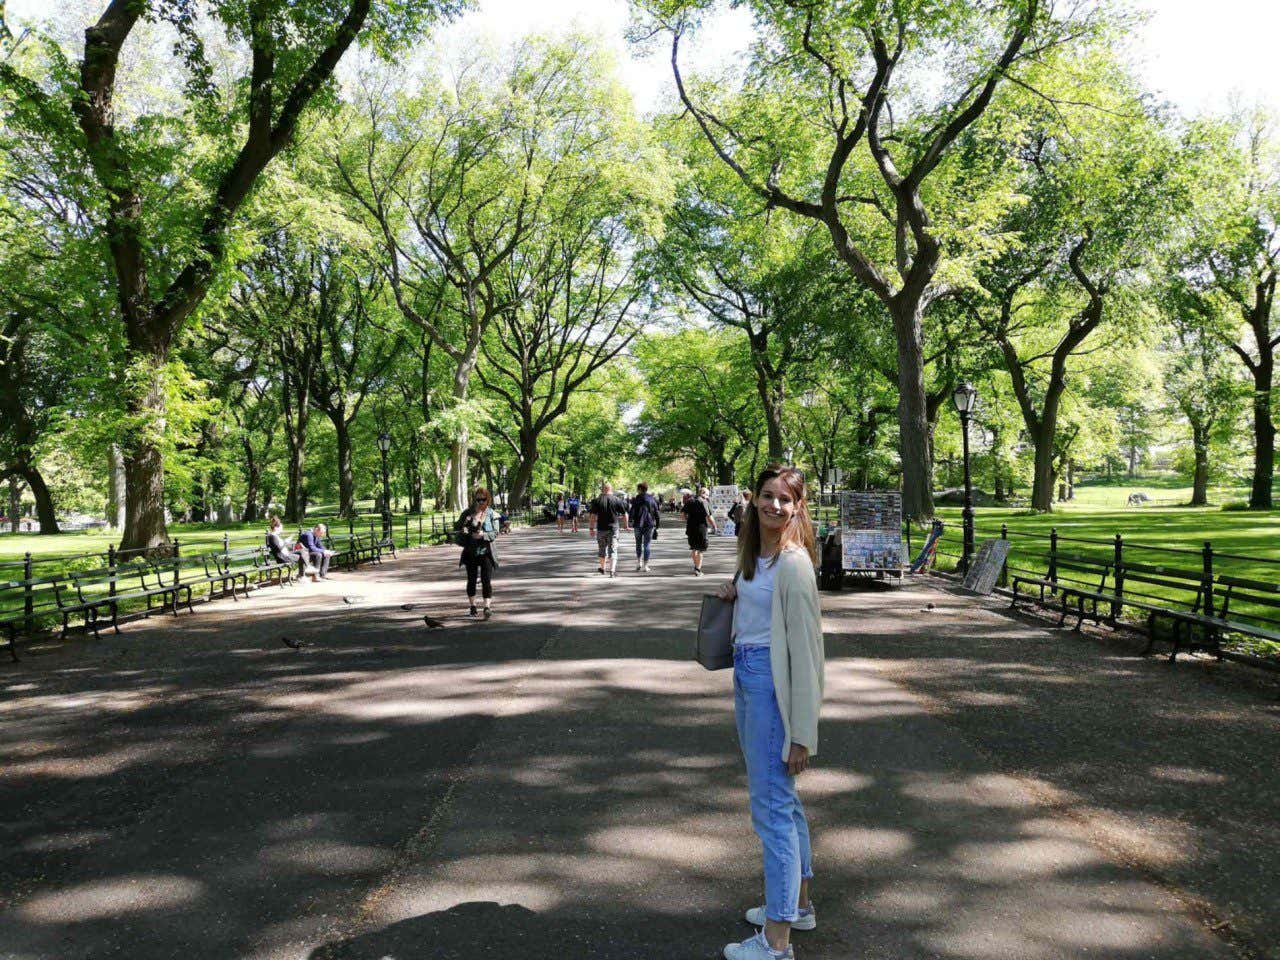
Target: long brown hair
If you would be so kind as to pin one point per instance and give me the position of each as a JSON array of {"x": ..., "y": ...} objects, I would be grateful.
[
  {"x": 798, "y": 531},
  {"x": 476, "y": 494}
]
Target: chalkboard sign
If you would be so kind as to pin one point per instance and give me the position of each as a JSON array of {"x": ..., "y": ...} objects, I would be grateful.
[{"x": 986, "y": 565}]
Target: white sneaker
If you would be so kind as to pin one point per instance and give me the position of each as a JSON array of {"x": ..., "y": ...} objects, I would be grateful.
[
  {"x": 639, "y": 566},
  {"x": 755, "y": 948},
  {"x": 808, "y": 919},
  {"x": 646, "y": 568}
]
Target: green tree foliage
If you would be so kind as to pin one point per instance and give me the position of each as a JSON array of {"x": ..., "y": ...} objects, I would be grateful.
[{"x": 164, "y": 188}]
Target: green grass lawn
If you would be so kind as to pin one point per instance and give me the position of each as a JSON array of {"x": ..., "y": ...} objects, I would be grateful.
[{"x": 1099, "y": 512}]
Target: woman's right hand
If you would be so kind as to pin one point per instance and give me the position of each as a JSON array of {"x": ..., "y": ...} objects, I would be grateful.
[{"x": 728, "y": 592}]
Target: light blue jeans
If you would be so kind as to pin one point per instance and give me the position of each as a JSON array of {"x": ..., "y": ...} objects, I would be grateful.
[
  {"x": 643, "y": 539},
  {"x": 776, "y": 812}
]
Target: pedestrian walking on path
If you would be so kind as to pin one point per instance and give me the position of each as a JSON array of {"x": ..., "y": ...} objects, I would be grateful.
[
  {"x": 697, "y": 518},
  {"x": 477, "y": 528},
  {"x": 738, "y": 511},
  {"x": 575, "y": 506},
  {"x": 645, "y": 521},
  {"x": 604, "y": 512},
  {"x": 777, "y": 684},
  {"x": 562, "y": 512}
]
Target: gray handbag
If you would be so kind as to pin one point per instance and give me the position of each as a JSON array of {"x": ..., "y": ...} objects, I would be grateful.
[{"x": 715, "y": 633}]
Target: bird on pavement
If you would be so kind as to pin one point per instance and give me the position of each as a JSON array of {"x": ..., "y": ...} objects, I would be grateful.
[
  {"x": 433, "y": 623},
  {"x": 350, "y": 599},
  {"x": 291, "y": 643}
]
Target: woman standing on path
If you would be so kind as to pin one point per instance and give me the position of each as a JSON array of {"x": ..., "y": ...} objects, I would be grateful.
[
  {"x": 562, "y": 511},
  {"x": 777, "y": 683},
  {"x": 477, "y": 529}
]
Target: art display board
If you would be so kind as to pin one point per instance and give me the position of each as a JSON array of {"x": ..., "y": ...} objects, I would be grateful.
[
  {"x": 722, "y": 498},
  {"x": 871, "y": 530},
  {"x": 984, "y": 568}
]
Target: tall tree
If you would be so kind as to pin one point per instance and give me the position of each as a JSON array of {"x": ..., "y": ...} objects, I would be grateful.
[
  {"x": 1234, "y": 257},
  {"x": 1099, "y": 181},
  {"x": 872, "y": 166},
  {"x": 452, "y": 180},
  {"x": 167, "y": 246},
  {"x": 357, "y": 348}
]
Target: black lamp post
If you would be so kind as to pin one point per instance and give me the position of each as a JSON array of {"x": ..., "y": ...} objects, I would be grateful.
[
  {"x": 384, "y": 444},
  {"x": 965, "y": 399}
]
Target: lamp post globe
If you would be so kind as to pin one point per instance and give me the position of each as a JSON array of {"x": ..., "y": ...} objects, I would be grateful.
[{"x": 965, "y": 399}]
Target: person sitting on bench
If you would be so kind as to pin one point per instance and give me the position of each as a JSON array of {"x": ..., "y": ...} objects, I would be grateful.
[
  {"x": 313, "y": 541},
  {"x": 281, "y": 550}
]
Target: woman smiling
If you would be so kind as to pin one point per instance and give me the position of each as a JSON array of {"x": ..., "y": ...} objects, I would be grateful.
[{"x": 777, "y": 682}]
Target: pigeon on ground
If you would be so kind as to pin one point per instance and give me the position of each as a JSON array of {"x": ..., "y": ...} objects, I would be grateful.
[
  {"x": 433, "y": 623},
  {"x": 291, "y": 643},
  {"x": 350, "y": 599},
  {"x": 407, "y": 606}
]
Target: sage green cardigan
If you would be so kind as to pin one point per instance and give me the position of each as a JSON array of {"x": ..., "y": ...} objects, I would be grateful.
[{"x": 795, "y": 649}]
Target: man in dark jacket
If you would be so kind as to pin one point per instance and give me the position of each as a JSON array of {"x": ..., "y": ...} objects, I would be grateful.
[
  {"x": 313, "y": 541},
  {"x": 645, "y": 521}
]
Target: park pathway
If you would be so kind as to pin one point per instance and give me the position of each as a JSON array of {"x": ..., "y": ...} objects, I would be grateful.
[{"x": 563, "y": 782}]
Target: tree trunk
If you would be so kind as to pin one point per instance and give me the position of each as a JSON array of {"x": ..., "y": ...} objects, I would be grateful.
[
  {"x": 144, "y": 521},
  {"x": 913, "y": 422},
  {"x": 1042, "y": 471},
  {"x": 524, "y": 470},
  {"x": 115, "y": 487},
  {"x": 15, "y": 504},
  {"x": 1071, "y": 479},
  {"x": 997, "y": 465},
  {"x": 1264, "y": 435},
  {"x": 771, "y": 398},
  {"x": 44, "y": 500},
  {"x": 1200, "y": 477},
  {"x": 346, "y": 479},
  {"x": 197, "y": 508},
  {"x": 459, "y": 494},
  {"x": 252, "y": 480}
]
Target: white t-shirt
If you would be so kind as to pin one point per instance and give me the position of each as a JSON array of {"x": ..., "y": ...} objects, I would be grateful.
[{"x": 753, "y": 617}]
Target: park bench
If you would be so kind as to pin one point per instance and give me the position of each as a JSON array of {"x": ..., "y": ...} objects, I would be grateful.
[
  {"x": 231, "y": 568},
  {"x": 190, "y": 572},
  {"x": 1213, "y": 623},
  {"x": 384, "y": 541},
  {"x": 1171, "y": 578},
  {"x": 1051, "y": 582},
  {"x": 24, "y": 604},
  {"x": 82, "y": 592},
  {"x": 267, "y": 566},
  {"x": 351, "y": 549}
]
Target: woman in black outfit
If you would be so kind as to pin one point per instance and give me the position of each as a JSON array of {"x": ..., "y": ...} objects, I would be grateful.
[{"x": 477, "y": 529}]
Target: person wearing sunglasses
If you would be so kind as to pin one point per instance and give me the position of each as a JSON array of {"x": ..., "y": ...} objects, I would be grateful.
[
  {"x": 777, "y": 683},
  {"x": 476, "y": 529}
]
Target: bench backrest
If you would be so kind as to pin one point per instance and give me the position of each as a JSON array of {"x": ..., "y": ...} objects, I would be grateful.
[
  {"x": 1248, "y": 601},
  {"x": 42, "y": 592},
  {"x": 96, "y": 584}
]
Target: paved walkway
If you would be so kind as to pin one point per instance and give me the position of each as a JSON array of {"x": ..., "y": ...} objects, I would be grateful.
[{"x": 563, "y": 781}]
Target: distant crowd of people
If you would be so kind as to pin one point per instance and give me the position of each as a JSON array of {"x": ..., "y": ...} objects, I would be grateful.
[{"x": 641, "y": 514}]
